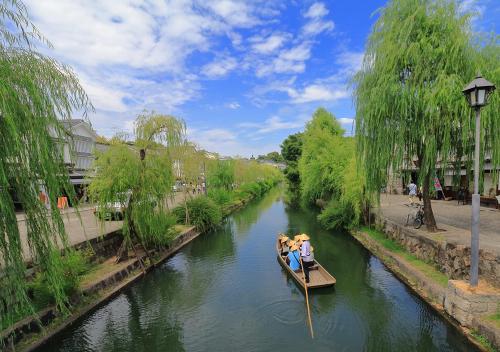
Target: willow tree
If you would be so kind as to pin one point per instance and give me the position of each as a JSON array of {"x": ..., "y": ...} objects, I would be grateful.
[
  {"x": 408, "y": 93},
  {"x": 190, "y": 165},
  {"x": 325, "y": 154},
  {"x": 36, "y": 93},
  {"x": 139, "y": 175}
]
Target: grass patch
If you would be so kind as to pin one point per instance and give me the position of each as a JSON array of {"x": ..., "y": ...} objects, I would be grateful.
[
  {"x": 495, "y": 318},
  {"x": 179, "y": 228},
  {"x": 483, "y": 341},
  {"x": 428, "y": 269}
]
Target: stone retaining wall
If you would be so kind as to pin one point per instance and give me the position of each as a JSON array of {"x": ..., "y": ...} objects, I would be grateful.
[
  {"x": 103, "y": 247},
  {"x": 452, "y": 259}
]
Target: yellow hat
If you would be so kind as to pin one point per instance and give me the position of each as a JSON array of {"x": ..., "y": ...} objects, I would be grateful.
[
  {"x": 291, "y": 243},
  {"x": 304, "y": 237},
  {"x": 294, "y": 247},
  {"x": 296, "y": 237},
  {"x": 284, "y": 239}
]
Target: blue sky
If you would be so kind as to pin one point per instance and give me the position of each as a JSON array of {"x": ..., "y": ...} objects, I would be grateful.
[{"x": 242, "y": 74}]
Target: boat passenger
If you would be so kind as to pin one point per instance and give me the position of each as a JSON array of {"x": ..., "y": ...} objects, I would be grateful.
[
  {"x": 293, "y": 258},
  {"x": 284, "y": 245},
  {"x": 307, "y": 257}
]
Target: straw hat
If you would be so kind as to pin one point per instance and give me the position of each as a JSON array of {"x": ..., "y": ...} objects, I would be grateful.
[
  {"x": 296, "y": 237},
  {"x": 284, "y": 239},
  {"x": 304, "y": 237},
  {"x": 291, "y": 243},
  {"x": 294, "y": 247}
]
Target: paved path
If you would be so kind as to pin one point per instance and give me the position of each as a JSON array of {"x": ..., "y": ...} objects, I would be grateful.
[
  {"x": 84, "y": 228},
  {"x": 453, "y": 218}
]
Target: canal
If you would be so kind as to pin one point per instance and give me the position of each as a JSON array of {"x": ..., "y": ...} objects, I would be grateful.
[{"x": 226, "y": 291}]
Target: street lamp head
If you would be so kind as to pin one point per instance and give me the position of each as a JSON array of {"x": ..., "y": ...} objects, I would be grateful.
[{"x": 478, "y": 91}]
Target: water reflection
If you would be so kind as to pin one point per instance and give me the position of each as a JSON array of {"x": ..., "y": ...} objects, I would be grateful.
[{"x": 227, "y": 292}]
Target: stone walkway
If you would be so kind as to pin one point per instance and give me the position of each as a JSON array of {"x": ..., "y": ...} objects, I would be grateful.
[
  {"x": 83, "y": 228},
  {"x": 454, "y": 220}
]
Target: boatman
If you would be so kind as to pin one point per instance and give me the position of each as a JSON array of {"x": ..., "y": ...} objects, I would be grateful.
[{"x": 306, "y": 254}]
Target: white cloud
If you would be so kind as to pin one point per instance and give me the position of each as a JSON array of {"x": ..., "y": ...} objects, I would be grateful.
[
  {"x": 130, "y": 54},
  {"x": 234, "y": 105},
  {"x": 345, "y": 120},
  {"x": 316, "y": 24},
  {"x": 316, "y": 93},
  {"x": 318, "y": 9},
  {"x": 290, "y": 60},
  {"x": 225, "y": 141},
  {"x": 263, "y": 45},
  {"x": 350, "y": 61},
  {"x": 272, "y": 124},
  {"x": 219, "y": 67},
  {"x": 103, "y": 96},
  {"x": 316, "y": 27}
]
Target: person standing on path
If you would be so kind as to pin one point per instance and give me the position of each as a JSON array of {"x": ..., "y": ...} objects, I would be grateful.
[
  {"x": 305, "y": 253},
  {"x": 412, "y": 188}
]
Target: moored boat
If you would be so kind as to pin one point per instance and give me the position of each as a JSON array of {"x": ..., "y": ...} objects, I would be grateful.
[{"x": 318, "y": 276}]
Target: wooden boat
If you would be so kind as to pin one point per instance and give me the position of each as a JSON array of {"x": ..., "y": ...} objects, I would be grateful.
[{"x": 318, "y": 276}]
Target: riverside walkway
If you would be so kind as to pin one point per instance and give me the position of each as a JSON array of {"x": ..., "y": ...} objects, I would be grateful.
[
  {"x": 453, "y": 218},
  {"x": 84, "y": 225}
]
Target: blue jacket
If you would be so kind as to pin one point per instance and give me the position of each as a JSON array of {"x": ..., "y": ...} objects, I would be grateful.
[{"x": 294, "y": 260}]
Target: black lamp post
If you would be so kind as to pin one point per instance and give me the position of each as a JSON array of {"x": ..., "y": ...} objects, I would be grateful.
[{"x": 477, "y": 93}]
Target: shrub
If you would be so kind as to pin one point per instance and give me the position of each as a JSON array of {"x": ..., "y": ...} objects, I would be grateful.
[
  {"x": 338, "y": 215},
  {"x": 73, "y": 265},
  {"x": 157, "y": 224},
  {"x": 203, "y": 213},
  {"x": 220, "y": 196}
]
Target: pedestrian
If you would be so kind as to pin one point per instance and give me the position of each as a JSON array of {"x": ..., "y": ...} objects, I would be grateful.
[
  {"x": 306, "y": 254},
  {"x": 412, "y": 188}
]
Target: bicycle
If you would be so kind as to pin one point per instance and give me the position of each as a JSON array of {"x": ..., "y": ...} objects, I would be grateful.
[{"x": 418, "y": 218}]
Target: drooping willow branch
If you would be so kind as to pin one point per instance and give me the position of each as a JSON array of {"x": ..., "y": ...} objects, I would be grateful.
[
  {"x": 36, "y": 92},
  {"x": 408, "y": 93}
]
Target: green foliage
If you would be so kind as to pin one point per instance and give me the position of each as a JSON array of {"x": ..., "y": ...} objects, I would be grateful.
[
  {"x": 483, "y": 341},
  {"x": 408, "y": 94},
  {"x": 203, "y": 213},
  {"x": 255, "y": 189},
  {"x": 325, "y": 154},
  {"x": 221, "y": 175},
  {"x": 73, "y": 265},
  {"x": 220, "y": 196},
  {"x": 141, "y": 186},
  {"x": 322, "y": 162},
  {"x": 337, "y": 215},
  {"x": 291, "y": 150},
  {"x": 36, "y": 94},
  {"x": 273, "y": 156},
  {"x": 251, "y": 171}
]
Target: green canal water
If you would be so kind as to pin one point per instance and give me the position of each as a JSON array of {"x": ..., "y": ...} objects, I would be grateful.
[{"x": 227, "y": 292}]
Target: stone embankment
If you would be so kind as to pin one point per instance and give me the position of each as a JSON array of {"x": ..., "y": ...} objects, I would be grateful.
[
  {"x": 451, "y": 258},
  {"x": 96, "y": 290},
  {"x": 469, "y": 308}
]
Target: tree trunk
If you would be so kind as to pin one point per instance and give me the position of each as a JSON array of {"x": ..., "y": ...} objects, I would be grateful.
[{"x": 430, "y": 221}]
